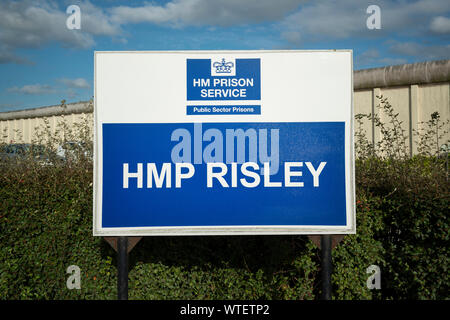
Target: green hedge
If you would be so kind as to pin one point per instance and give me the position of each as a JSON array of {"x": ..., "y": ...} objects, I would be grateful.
[
  {"x": 402, "y": 226},
  {"x": 46, "y": 225}
]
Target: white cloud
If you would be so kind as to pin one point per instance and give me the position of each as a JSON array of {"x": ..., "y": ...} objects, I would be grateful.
[
  {"x": 98, "y": 22},
  {"x": 324, "y": 20},
  {"x": 440, "y": 25},
  {"x": 392, "y": 61},
  {"x": 292, "y": 36},
  {"x": 70, "y": 88},
  {"x": 206, "y": 12},
  {"x": 71, "y": 93},
  {"x": 78, "y": 83},
  {"x": 373, "y": 57},
  {"x": 413, "y": 49},
  {"x": 367, "y": 57},
  {"x": 343, "y": 19},
  {"x": 7, "y": 56},
  {"x": 32, "y": 24},
  {"x": 33, "y": 89}
]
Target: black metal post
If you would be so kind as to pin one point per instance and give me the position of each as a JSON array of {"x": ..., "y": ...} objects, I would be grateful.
[
  {"x": 122, "y": 268},
  {"x": 325, "y": 243}
]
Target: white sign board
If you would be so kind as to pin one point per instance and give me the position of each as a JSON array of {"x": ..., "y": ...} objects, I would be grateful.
[{"x": 223, "y": 143}]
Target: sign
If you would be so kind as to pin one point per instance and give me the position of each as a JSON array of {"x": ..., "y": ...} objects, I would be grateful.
[{"x": 223, "y": 143}]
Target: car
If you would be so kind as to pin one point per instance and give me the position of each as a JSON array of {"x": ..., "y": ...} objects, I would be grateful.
[
  {"x": 17, "y": 152},
  {"x": 73, "y": 150}
]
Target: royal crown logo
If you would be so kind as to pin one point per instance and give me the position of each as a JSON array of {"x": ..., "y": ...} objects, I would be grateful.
[{"x": 223, "y": 66}]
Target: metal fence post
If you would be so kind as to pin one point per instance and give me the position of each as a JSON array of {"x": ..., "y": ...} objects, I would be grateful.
[
  {"x": 326, "y": 266},
  {"x": 122, "y": 268}
]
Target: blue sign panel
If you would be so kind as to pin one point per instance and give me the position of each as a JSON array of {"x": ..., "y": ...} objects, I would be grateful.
[
  {"x": 223, "y": 174},
  {"x": 239, "y": 79}
]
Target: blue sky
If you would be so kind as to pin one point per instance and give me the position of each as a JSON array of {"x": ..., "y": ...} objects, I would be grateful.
[{"x": 43, "y": 62}]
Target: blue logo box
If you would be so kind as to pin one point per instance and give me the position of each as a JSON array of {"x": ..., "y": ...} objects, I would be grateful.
[{"x": 244, "y": 84}]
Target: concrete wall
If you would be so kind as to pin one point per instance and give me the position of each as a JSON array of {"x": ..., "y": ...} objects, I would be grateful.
[
  {"x": 24, "y": 125},
  {"x": 415, "y": 103},
  {"x": 414, "y": 90}
]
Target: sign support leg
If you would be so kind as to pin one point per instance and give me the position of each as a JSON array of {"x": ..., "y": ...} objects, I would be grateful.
[
  {"x": 122, "y": 268},
  {"x": 326, "y": 266}
]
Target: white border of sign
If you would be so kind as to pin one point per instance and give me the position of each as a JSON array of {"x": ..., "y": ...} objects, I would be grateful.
[{"x": 350, "y": 228}]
